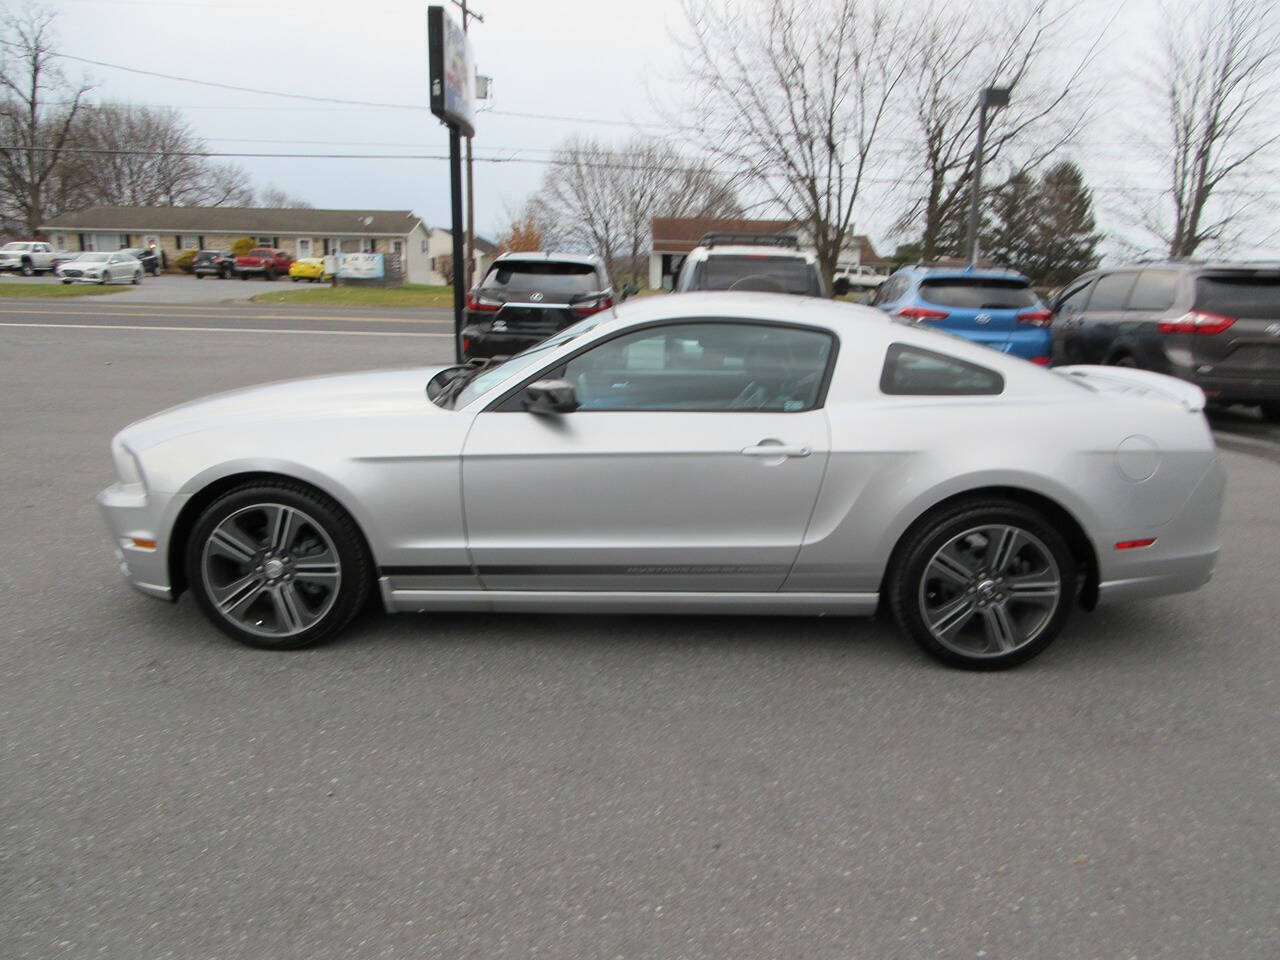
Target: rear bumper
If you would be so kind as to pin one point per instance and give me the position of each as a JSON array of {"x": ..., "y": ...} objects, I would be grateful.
[
  {"x": 1183, "y": 556},
  {"x": 1026, "y": 343},
  {"x": 483, "y": 342}
]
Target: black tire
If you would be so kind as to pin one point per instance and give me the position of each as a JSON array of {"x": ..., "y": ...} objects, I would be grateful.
[
  {"x": 269, "y": 275},
  {"x": 26, "y": 269},
  {"x": 910, "y": 584},
  {"x": 199, "y": 276},
  {"x": 331, "y": 519},
  {"x": 1123, "y": 360},
  {"x": 66, "y": 281},
  {"x": 1271, "y": 411},
  {"x": 105, "y": 278},
  {"x": 137, "y": 278},
  {"x": 294, "y": 279}
]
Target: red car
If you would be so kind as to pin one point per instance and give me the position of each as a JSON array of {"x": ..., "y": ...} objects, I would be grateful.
[{"x": 269, "y": 262}]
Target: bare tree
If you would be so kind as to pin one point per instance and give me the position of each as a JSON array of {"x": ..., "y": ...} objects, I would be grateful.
[
  {"x": 273, "y": 196},
  {"x": 143, "y": 156},
  {"x": 603, "y": 199},
  {"x": 37, "y": 117},
  {"x": 1218, "y": 83},
  {"x": 794, "y": 95},
  {"x": 958, "y": 53}
]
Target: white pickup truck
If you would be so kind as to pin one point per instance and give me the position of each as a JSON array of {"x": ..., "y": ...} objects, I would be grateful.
[
  {"x": 854, "y": 278},
  {"x": 27, "y": 257}
]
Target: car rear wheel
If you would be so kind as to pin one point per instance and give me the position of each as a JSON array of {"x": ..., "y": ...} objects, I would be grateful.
[
  {"x": 983, "y": 585},
  {"x": 244, "y": 276},
  {"x": 270, "y": 275},
  {"x": 66, "y": 281},
  {"x": 277, "y": 565}
]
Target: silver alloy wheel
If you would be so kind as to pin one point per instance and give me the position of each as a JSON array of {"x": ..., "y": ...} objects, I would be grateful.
[
  {"x": 990, "y": 590},
  {"x": 271, "y": 569}
]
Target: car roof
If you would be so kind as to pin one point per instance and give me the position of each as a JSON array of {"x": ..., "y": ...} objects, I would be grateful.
[
  {"x": 980, "y": 273},
  {"x": 546, "y": 256},
  {"x": 1189, "y": 265},
  {"x": 751, "y": 250}
]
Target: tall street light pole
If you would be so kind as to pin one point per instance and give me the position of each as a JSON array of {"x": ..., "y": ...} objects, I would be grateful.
[{"x": 991, "y": 98}]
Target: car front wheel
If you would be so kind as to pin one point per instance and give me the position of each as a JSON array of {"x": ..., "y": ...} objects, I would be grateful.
[
  {"x": 105, "y": 278},
  {"x": 27, "y": 270},
  {"x": 277, "y": 565},
  {"x": 137, "y": 278},
  {"x": 983, "y": 585}
]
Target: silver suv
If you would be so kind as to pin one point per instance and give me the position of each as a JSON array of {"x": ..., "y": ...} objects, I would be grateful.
[
  {"x": 1214, "y": 324},
  {"x": 764, "y": 263}
]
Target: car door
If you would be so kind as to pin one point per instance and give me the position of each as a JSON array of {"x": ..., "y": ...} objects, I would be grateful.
[
  {"x": 692, "y": 464},
  {"x": 1068, "y": 312},
  {"x": 1104, "y": 316}
]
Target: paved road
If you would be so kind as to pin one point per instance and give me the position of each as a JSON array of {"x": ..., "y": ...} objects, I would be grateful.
[
  {"x": 516, "y": 786},
  {"x": 168, "y": 289}
]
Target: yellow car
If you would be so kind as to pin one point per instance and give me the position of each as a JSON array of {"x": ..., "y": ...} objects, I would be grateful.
[{"x": 308, "y": 268}]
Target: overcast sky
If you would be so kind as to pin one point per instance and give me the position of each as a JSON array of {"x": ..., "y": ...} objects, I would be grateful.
[{"x": 609, "y": 60}]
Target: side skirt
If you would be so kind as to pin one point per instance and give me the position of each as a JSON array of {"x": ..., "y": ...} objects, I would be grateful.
[{"x": 608, "y": 601}]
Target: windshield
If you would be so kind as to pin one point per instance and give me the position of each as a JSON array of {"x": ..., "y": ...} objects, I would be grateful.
[
  {"x": 14, "y": 246},
  {"x": 538, "y": 276},
  {"x": 761, "y": 273},
  {"x": 94, "y": 257},
  {"x": 978, "y": 293},
  {"x": 486, "y": 378}
]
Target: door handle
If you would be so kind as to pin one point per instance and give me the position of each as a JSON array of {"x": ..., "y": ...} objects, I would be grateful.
[{"x": 775, "y": 448}]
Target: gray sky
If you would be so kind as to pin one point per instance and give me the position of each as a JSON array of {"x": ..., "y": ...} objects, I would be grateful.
[{"x": 598, "y": 59}]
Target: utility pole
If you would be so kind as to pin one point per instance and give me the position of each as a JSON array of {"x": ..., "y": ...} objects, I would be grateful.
[
  {"x": 994, "y": 98},
  {"x": 467, "y": 16}
]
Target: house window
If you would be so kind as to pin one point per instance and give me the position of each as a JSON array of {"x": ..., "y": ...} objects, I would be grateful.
[
  {"x": 397, "y": 247},
  {"x": 272, "y": 242},
  {"x": 304, "y": 246},
  {"x": 88, "y": 241},
  {"x": 186, "y": 241},
  {"x": 425, "y": 244},
  {"x": 60, "y": 241}
]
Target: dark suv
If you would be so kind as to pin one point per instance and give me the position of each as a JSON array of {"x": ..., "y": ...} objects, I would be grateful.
[
  {"x": 526, "y": 297},
  {"x": 1214, "y": 324}
]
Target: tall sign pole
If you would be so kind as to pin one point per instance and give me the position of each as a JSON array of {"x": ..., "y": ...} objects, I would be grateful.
[
  {"x": 467, "y": 16},
  {"x": 452, "y": 75}
]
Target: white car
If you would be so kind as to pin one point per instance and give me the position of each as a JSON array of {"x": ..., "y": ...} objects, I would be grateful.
[
  {"x": 28, "y": 257},
  {"x": 854, "y": 278},
  {"x": 699, "y": 453},
  {"x": 763, "y": 263},
  {"x": 101, "y": 268}
]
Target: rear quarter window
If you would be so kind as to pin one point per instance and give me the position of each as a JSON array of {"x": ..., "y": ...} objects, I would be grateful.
[
  {"x": 915, "y": 372},
  {"x": 1240, "y": 295},
  {"x": 977, "y": 293}
]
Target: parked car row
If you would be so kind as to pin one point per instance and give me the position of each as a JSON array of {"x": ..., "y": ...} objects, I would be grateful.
[{"x": 1216, "y": 325}]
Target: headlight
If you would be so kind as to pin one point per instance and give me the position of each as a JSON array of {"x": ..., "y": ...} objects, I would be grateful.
[{"x": 128, "y": 469}]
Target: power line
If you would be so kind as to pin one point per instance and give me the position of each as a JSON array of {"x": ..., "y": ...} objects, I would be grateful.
[{"x": 545, "y": 161}]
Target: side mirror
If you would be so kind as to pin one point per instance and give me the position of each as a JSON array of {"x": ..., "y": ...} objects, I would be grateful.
[{"x": 550, "y": 396}]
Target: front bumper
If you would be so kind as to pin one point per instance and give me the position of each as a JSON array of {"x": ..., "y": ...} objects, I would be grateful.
[{"x": 133, "y": 516}]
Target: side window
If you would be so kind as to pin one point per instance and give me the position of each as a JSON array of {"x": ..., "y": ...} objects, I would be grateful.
[
  {"x": 1110, "y": 292},
  {"x": 1155, "y": 290},
  {"x": 913, "y": 371},
  {"x": 1073, "y": 303},
  {"x": 704, "y": 366}
]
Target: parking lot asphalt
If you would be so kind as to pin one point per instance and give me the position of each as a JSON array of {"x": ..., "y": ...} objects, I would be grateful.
[{"x": 515, "y": 786}]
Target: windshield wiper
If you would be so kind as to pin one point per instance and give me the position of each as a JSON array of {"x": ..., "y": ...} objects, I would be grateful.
[{"x": 466, "y": 372}]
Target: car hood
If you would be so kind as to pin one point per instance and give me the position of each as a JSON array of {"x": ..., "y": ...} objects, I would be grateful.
[{"x": 309, "y": 399}]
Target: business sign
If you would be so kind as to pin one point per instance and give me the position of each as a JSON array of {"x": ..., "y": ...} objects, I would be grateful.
[
  {"x": 451, "y": 72},
  {"x": 360, "y": 266}
]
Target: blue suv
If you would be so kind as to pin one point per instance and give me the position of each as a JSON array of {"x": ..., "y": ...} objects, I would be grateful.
[{"x": 996, "y": 308}]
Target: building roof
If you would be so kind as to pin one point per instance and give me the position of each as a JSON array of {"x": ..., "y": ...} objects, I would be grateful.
[
  {"x": 681, "y": 234},
  {"x": 263, "y": 220}
]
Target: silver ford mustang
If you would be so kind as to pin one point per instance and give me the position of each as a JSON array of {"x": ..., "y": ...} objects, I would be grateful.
[{"x": 709, "y": 452}]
